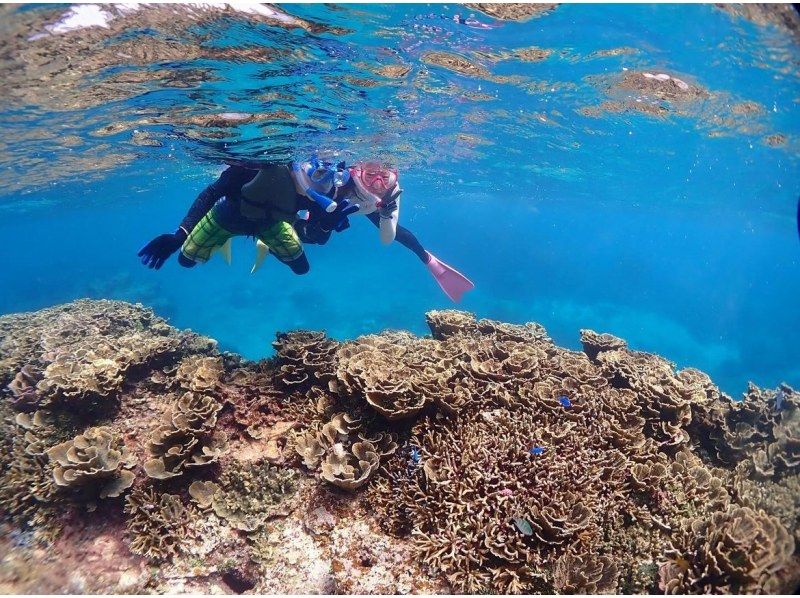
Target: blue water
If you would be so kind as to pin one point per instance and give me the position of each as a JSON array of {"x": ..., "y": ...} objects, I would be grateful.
[{"x": 677, "y": 234}]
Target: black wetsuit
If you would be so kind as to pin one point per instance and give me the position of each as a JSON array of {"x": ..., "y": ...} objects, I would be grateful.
[{"x": 229, "y": 185}]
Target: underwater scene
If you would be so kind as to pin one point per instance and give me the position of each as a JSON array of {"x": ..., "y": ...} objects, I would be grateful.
[{"x": 557, "y": 355}]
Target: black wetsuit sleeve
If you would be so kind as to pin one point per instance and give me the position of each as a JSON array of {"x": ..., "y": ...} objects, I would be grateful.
[
  {"x": 403, "y": 236},
  {"x": 230, "y": 181}
]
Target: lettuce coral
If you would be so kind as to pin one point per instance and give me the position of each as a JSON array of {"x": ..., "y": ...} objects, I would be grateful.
[
  {"x": 506, "y": 463},
  {"x": 738, "y": 551},
  {"x": 186, "y": 437},
  {"x": 94, "y": 459}
]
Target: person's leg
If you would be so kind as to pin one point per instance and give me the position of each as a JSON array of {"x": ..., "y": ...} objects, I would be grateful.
[
  {"x": 284, "y": 244},
  {"x": 206, "y": 236}
]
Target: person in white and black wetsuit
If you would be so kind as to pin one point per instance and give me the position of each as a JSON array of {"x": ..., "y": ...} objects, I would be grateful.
[{"x": 371, "y": 189}]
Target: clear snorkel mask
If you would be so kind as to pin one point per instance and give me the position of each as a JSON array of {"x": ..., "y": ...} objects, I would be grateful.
[{"x": 327, "y": 174}]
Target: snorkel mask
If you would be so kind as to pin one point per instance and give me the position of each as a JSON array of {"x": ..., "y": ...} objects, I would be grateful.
[
  {"x": 373, "y": 181},
  {"x": 377, "y": 179},
  {"x": 326, "y": 175}
]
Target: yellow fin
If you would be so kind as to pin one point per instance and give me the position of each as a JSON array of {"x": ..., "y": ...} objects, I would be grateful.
[
  {"x": 225, "y": 251},
  {"x": 262, "y": 250}
]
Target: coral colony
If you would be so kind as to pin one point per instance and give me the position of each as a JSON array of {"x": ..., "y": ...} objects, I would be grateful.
[{"x": 652, "y": 480}]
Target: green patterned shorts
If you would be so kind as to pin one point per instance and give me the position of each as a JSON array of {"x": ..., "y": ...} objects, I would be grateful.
[{"x": 209, "y": 234}]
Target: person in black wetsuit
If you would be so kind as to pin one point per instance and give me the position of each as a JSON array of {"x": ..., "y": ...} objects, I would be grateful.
[{"x": 232, "y": 206}]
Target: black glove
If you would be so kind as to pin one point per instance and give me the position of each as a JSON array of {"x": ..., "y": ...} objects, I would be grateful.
[
  {"x": 157, "y": 251},
  {"x": 337, "y": 220},
  {"x": 387, "y": 207}
]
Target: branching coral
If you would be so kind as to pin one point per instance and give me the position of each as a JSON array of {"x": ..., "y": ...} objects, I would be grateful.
[
  {"x": 558, "y": 472},
  {"x": 185, "y": 440},
  {"x": 95, "y": 460},
  {"x": 156, "y": 523}
]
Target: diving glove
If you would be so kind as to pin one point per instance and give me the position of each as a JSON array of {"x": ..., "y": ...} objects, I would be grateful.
[
  {"x": 386, "y": 208},
  {"x": 157, "y": 251},
  {"x": 337, "y": 220}
]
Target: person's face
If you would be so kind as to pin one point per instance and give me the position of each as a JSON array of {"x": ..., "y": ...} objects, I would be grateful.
[{"x": 378, "y": 179}]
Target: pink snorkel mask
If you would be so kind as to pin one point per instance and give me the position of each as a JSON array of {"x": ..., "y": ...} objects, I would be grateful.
[{"x": 373, "y": 181}]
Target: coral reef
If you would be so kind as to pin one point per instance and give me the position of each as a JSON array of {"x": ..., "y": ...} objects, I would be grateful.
[
  {"x": 346, "y": 456},
  {"x": 85, "y": 349},
  {"x": 186, "y": 439},
  {"x": 156, "y": 523},
  {"x": 251, "y": 494},
  {"x": 95, "y": 459},
  {"x": 481, "y": 459},
  {"x": 739, "y": 551}
]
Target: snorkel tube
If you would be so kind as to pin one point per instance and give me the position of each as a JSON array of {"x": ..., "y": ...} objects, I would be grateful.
[{"x": 316, "y": 179}]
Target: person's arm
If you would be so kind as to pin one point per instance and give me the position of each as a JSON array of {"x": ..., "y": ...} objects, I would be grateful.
[
  {"x": 389, "y": 214},
  {"x": 405, "y": 237},
  {"x": 157, "y": 251}
]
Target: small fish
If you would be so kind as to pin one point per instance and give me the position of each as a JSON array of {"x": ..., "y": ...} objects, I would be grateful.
[
  {"x": 537, "y": 450},
  {"x": 565, "y": 402},
  {"x": 523, "y": 526},
  {"x": 416, "y": 456},
  {"x": 779, "y": 397}
]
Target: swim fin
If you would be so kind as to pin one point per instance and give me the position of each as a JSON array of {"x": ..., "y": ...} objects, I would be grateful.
[
  {"x": 262, "y": 250},
  {"x": 453, "y": 283},
  {"x": 225, "y": 251}
]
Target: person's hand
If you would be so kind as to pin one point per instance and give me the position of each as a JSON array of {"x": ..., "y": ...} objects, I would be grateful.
[
  {"x": 387, "y": 207},
  {"x": 337, "y": 220},
  {"x": 157, "y": 251}
]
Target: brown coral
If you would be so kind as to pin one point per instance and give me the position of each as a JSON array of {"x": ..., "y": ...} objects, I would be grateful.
[
  {"x": 304, "y": 358},
  {"x": 96, "y": 459},
  {"x": 199, "y": 374},
  {"x": 593, "y": 343},
  {"x": 344, "y": 453},
  {"x": 249, "y": 494},
  {"x": 23, "y": 389},
  {"x": 738, "y": 551},
  {"x": 448, "y": 322},
  {"x": 185, "y": 440},
  {"x": 86, "y": 348},
  {"x": 156, "y": 523},
  {"x": 586, "y": 574}
]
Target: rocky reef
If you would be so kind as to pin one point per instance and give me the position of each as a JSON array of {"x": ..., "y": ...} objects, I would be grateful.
[{"x": 481, "y": 459}]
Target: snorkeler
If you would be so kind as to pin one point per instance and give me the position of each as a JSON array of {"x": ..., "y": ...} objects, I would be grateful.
[
  {"x": 375, "y": 192},
  {"x": 264, "y": 202},
  {"x": 237, "y": 204}
]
